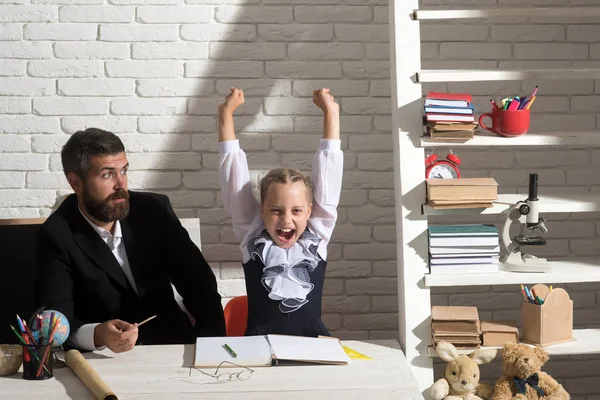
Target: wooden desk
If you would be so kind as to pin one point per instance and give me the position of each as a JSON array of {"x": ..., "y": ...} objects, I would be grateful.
[{"x": 158, "y": 372}]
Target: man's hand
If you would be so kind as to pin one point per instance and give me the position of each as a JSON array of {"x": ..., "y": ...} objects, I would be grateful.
[
  {"x": 117, "y": 335},
  {"x": 233, "y": 101},
  {"x": 325, "y": 101}
]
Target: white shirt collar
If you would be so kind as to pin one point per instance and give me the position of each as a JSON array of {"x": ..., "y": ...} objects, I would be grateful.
[{"x": 101, "y": 231}]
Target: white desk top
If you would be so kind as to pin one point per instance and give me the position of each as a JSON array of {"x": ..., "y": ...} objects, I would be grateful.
[{"x": 158, "y": 372}]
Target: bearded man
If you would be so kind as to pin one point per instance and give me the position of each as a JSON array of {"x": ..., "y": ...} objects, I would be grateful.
[{"x": 107, "y": 257}]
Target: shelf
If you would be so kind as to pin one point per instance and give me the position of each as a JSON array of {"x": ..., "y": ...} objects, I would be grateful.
[
  {"x": 515, "y": 12},
  {"x": 484, "y": 139},
  {"x": 473, "y": 75},
  {"x": 567, "y": 202},
  {"x": 587, "y": 343},
  {"x": 562, "y": 272}
]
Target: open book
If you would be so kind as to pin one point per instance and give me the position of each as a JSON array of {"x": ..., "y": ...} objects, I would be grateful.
[{"x": 264, "y": 351}]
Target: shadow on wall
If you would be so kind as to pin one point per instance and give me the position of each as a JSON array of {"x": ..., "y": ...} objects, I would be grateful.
[{"x": 249, "y": 47}]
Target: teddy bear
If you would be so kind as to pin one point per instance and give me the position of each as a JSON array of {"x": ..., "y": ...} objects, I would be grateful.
[
  {"x": 522, "y": 375},
  {"x": 461, "y": 379}
]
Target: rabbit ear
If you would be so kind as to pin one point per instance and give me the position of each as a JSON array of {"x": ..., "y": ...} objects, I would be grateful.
[
  {"x": 446, "y": 351},
  {"x": 483, "y": 356}
]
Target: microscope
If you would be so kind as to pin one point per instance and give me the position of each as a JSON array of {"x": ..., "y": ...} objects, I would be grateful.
[{"x": 527, "y": 213}]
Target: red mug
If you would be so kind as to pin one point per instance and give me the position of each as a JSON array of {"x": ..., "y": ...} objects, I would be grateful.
[{"x": 507, "y": 122}]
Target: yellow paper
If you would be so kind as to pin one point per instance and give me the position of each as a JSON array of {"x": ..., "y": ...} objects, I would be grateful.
[{"x": 355, "y": 354}]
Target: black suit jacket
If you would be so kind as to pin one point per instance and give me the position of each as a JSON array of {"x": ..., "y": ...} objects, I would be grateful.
[{"x": 79, "y": 276}]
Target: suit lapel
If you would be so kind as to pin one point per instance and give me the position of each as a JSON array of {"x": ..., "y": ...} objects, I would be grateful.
[
  {"x": 134, "y": 247},
  {"x": 92, "y": 244}
]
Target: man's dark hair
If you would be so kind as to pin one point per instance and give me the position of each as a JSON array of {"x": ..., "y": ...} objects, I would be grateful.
[{"x": 82, "y": 146}]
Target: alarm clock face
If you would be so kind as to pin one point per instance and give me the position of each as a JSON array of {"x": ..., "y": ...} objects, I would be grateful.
[{"x": 443, "y": 171}]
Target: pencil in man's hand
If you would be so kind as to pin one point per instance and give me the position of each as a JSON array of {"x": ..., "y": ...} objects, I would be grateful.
[
  {"x": 140, "y": 324},
  {"x": 146, "y": 320}
]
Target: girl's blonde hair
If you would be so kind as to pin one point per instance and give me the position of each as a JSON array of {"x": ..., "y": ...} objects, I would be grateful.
[{"x": 284, "y": 175}]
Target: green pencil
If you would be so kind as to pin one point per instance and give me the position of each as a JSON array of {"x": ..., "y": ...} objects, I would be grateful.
[
  {"x": 19, "y": 336},
  {"x": 230, "y": 350}
]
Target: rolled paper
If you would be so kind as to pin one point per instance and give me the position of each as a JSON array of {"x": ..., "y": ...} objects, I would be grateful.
[{"x": 90, "y": 378}]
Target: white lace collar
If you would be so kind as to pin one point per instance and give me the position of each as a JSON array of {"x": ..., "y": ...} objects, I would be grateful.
[{"x": 286, "y": 271}]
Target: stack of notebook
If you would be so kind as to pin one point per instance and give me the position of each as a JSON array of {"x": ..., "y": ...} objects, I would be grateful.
[
  {"x": 449, "y": 117},
  {"x": 457, "y": 325},
  {"x": 460, "y": 249},
  {"x": 462, "y": 192}
]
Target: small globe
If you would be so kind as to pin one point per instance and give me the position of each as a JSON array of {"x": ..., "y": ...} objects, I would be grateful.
[{"x": 62, "y": 332}]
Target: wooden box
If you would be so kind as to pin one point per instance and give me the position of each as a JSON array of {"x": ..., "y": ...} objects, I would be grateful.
[{"x": 551, "y": 322}]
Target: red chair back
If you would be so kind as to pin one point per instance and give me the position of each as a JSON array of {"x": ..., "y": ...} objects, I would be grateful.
[{"x": 236, "y": 316}]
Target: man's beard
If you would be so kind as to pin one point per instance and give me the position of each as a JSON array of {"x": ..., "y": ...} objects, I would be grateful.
[{"x": 103, "y": 211}]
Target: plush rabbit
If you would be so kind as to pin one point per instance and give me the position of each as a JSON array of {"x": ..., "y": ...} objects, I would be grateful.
[{"x": 461, "y": 381}]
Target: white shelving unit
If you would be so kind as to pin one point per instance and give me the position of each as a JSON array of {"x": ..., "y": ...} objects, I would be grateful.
[
  {"x": 586, "y": 342},
  {"x": 562, "y": 272},
  {"x": 414, "y": 281},
  {"x": 473, "y": 75},
  {"x": 484, "y": 139},
  {"x": 573, "y": 202}
]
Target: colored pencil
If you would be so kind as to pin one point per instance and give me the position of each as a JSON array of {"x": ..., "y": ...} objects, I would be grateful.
[
  {"x": 48, "y": 346},
  {"x": 26, "y": 344}
]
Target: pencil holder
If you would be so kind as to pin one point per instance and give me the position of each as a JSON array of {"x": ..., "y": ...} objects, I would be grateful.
[
  {"x": 551, "y": 322},
  {"x": 509, "y": 123},
  {"x": 37, "y": 362}
]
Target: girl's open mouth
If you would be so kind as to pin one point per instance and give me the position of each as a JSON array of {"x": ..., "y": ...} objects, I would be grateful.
[{"x": 285, "y": 235}]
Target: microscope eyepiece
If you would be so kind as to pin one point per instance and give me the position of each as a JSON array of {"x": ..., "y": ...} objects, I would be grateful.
[{"x": 533, "y": 186}]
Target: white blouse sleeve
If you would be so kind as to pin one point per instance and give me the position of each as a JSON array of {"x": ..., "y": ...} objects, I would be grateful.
[
  {"x": 236, "y": 189},
  {"x": 327, "y": 172}
]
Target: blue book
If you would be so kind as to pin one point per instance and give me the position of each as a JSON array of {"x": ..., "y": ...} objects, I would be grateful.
[
  {"x": 450, "y": 110},
  {"x": 463, "y": 230}
]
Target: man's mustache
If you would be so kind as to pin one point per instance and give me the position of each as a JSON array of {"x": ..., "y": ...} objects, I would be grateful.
[{"x": 119, "y": 194}]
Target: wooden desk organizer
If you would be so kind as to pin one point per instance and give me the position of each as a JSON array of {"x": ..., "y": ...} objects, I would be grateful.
[{"x": 551, "y": 322}]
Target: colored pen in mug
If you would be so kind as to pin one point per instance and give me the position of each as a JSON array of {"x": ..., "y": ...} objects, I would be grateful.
[
  {"x": 494, "y": 105},
  {"x": 534, "y": 92},
  {"x": 523, "y": 103},
  {"x": 529, "y": 103},
  {"x": 514, "y": 105}
]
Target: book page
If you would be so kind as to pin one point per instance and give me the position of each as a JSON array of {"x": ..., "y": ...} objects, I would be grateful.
[
  {"x": 299, "y": 348},
  {"x": 251, "y": 351}
]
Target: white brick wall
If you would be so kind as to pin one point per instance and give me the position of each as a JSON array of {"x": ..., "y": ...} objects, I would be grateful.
[{"x": 153, "y": 71}]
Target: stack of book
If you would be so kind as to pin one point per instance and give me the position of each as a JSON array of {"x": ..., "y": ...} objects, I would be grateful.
[
  {"x": 460, "y": 249},
  {"x": 462, "y": 192},
  {"x": 449, "y": 117},
  {"x": 457, "y": 325}
]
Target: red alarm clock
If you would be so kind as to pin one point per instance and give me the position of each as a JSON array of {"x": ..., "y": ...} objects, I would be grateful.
[{"x": 442, "y": 169}]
